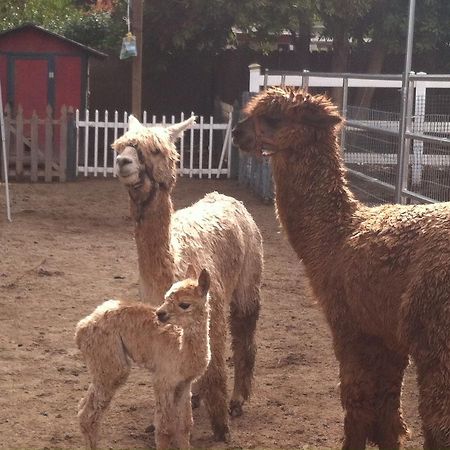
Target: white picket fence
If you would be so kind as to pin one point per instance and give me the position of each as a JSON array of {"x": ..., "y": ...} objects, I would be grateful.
[{"x": 205, "y": 149}]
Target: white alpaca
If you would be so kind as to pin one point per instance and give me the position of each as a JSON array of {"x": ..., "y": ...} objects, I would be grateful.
[
  {"x": 171, "y": 341},
  {"x": 216, "y": 233}
]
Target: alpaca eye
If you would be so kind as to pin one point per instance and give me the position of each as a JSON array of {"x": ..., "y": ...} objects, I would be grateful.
[
  {"x": 272, "y": 121},
  {"x": 184, "y": 305}
]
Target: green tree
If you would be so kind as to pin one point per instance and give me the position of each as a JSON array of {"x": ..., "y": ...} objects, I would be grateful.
[
  {"x": 81, "y": 23},
  {"x": 51, "y": 14},
  {"x": 263, "y": 20}
]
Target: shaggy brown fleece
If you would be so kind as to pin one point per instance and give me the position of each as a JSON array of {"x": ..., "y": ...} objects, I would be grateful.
[{"x": 381, "y": 274}]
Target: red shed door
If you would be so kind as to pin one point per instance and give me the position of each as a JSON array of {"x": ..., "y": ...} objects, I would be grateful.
[{"x": 31, "y": 85}]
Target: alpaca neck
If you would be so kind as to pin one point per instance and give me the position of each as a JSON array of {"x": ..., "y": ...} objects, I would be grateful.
[
  {"x": 152, "y": 235},
  {"x": 313, "y": 202},
  {"x": 195, "y": 345}
]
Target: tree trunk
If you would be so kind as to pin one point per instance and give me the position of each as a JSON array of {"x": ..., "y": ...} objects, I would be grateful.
[
  {"x": 377, "y": 55},
  {"x": 302, "y": 47},
  {"x": 339, "y": 62}
]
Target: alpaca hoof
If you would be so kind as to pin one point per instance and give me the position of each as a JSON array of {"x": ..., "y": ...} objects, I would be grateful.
[
  {"x": 222, "y": 435},
  {"x": 150, "y": 429},
  {"x": 235, "y": 408},
  {"x": 195, "y": 401}
]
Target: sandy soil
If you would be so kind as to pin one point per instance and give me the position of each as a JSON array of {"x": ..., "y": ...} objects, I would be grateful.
[{"x": 69, "y": 248}]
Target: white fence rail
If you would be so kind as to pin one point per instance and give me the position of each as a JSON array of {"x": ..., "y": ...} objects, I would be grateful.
[
  {"x": 418, "y": 169},
  {"x": 205, "y": 149}
]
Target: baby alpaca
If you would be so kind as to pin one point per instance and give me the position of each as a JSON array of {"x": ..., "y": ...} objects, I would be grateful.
[{"x": 171, "y": 341}]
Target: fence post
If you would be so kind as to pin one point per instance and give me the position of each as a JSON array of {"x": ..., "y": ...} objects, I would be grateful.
[
  {"x": 63, "y": 144},
  {"x": 48, "y": 152},
  {"x": 255, "y": 76},
  {"x": 305, "y": 80},
  {"x": 244, "y": 158},
  {"x": 19, "y": 143},
  {"x": 7, "y": 133},
  {"x": 234, "y": 149},
  {"x": 71, "y": 171},
  {"x": 344, "y": 110},
  {"x": 34, "y": 146},
  {"x": 419, "y": 119},
  {"x": 404, "y": 147}
]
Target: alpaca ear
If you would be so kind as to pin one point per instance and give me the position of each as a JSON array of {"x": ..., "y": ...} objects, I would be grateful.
[
  {"x": 134, "y": 124},
  {"x": 175, "y": 131},
  {"x": 190, "y": 272},
  {"x": 319, "y": 112},
  {"x": 204, "y": 282},
  {"x": 322, "y": 120}
]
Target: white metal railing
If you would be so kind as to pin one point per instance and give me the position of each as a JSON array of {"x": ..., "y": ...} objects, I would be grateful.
[
  {"x": 205, "y": 149},
  {"x": 419, "y": 128}
]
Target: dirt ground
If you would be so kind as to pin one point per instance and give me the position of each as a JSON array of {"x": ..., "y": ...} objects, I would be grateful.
[{"x": 69, "y": 248}]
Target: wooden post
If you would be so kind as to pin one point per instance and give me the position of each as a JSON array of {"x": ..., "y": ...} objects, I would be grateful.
[
  {"x": 7, "y": 137},
  {"x": 19, "y": 143},
  {"x": 34, "y": 147},
  {"x": 48, "y": 145},
  {"x": 72, "y": 164},
  {"x": 137, "y": 7},
  {"x": 63, "y": 145}
]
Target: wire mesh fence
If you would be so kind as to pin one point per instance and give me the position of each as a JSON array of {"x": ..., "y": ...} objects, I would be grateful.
[{"x": 378, "y": 171}]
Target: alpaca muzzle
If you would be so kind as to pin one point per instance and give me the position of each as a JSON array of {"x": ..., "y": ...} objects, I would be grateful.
[{"x": 163, "y": 316}]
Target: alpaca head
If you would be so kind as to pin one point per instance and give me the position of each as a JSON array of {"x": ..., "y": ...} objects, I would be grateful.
[
  {"x": 186, "y": 301},
  {"x": 281, "y": 120},
  {"x": 148, "y": 156}
]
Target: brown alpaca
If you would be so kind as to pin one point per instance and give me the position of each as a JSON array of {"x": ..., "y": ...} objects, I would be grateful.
[
  {"x": 381, "y": 274},
  {"x": 171, "y": 341},
  {"x": 217, "y": 233}
]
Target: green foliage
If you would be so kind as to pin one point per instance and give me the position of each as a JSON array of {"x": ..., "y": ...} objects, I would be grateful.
[
  {"x": 387, "y": 22},
  {"x": 101, "y": 30},
  {"x": 195, "y": 24},
  {"x": 51, "y": 14},
  {"x": 263, "y": 20}
]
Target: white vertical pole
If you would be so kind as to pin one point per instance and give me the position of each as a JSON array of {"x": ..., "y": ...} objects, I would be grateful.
[
  {"x": 210, "y": 147},
  {"x": 86, "y": 143},
  {"x": 116, "y": 126},
  {"x": 419, "y": 114},
  {"x": 230, "y": 124},
  {"x": 255, "y": 77},
  {"x": 200, "y": 153},
  {"x": 403, "y": 152},
  {"x": 182, "y": 148},
  {"x": 96, "y": 143},
  {"x": 191, "y": 151},
  {"x": 5, "y": 162},
  {"x": 105, "y": 145}
]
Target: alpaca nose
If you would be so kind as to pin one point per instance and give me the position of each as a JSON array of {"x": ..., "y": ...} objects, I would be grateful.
[
  {"x": 122, "y": 161},
  {"x": 163, "y": 316}
]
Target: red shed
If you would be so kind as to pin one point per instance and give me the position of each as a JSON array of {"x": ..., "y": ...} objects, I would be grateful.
[{"x": 40, "y": 68}]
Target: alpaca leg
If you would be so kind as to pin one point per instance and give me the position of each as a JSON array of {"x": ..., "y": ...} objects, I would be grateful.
[
  {"x": 434, "y": 403},
  {"x": 425, "y": 319},
  {"x": 243, "y": 328},
  {"x": 91, "y": 410},
  {"x": 184, "y": 417},
  {"x": 371, "y": 381},
  {"x": 164, "y": 415},
  {"x": 214, "y": 392},
  {"x": 390, "y": 428}
]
